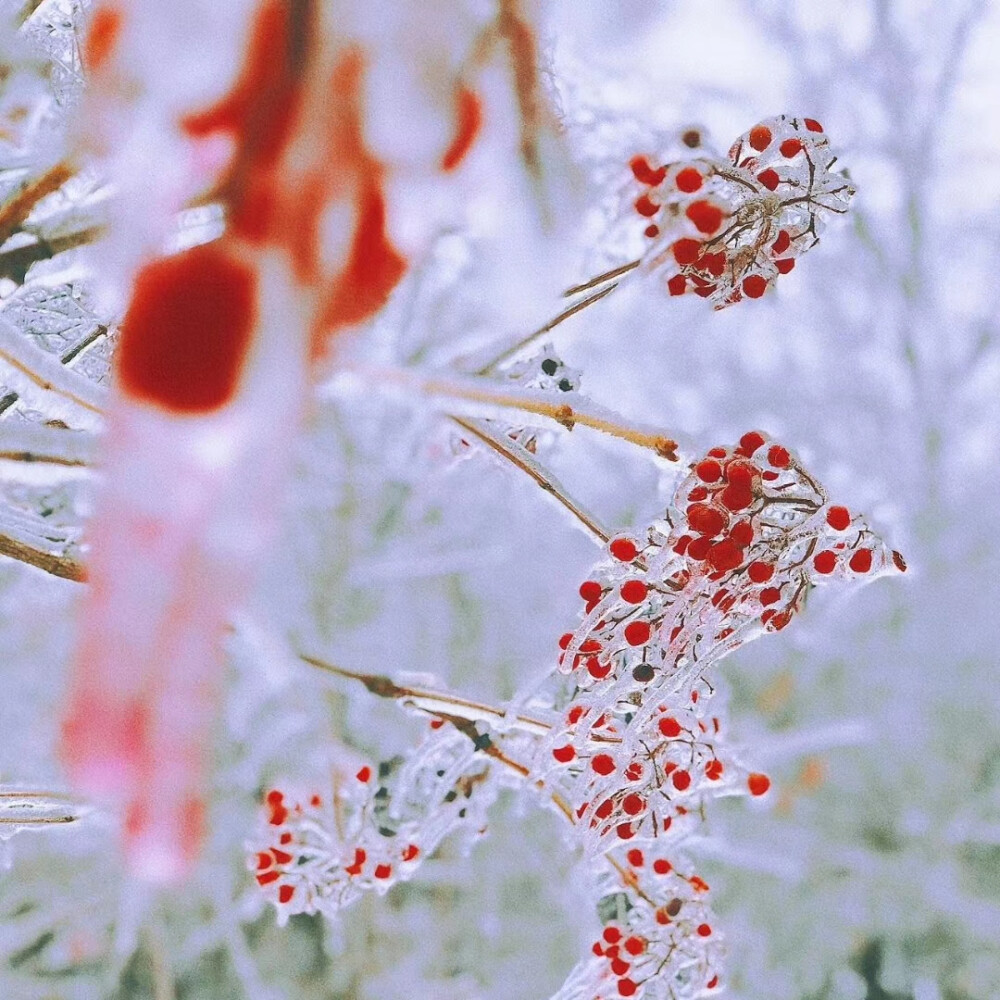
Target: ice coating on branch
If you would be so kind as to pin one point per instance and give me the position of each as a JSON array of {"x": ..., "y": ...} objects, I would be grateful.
[
  {"x": 727, "y": 229},
  {"x": 626, "y": 741},
  {"x": 319, "y": 853}
]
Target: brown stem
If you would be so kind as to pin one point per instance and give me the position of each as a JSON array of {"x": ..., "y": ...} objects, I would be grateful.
[
  {"x": 599, "y": 279},
  {"x": 508, "y": 449},
  {"x": 18, "y": 208},
  {"x": 62, "y": 566},
  {"x": 459, "y": 712},
  {"x": 524, "y": 342},
  {"x": 531, "y": 401}
]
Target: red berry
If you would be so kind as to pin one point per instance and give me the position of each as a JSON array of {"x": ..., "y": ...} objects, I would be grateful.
[
  {"x": 623, "y": 549},
  {"x": 704, "y": 930},
  {"x": 635, "y": 858},
  {"x": 364, "y": 774},
  {"x": 782, "y": 243},
  {"x": 861, "y": 561},
  {"x": 839, "y": 518},
  {"x": 637, "y": 633},
  {"x": 632, "y": 805},
  {"x": 713, "y": 263},
  {"x": 698, "y": 549},
  {"x": 383, "y": 871},
  {"x": 285, "y": 893},
  {"x": 712, "y": 983},
  {"x": 410, "y": 852},
  {"x": 645, "y": 205},
  {"x": 564, "y": 754},
  {"x": 651, "y": 231},
  {"x": 677, "y": 284},
  {"x": 769, "y": 178},
  {"x": 790, "y": 148},
  {"x": 706, "y": 217},
  {"x": 736, "y": 497},
  {"x": 813, "y": 125},
  {"x": 713, "y": 770},
  {"x": 724, "y": 556},
  {"x": 706, "y": 520},
  {"x": 686, "y": 251},
  {"x": 898, "y": 561},
  {"x": 760, "y": 137},
  {"x": 758, "y": 783},
  {"x": 670, "y": 727},
  {"x": 662, "y": 867},
  {"x": 681, "y": 780},
  {"x": 778, "y": 456},
  {"x": 635, "y": 945},
  {"x": 644, "y": 173},
  {"x": 742, "y": 534},
  {"x": 591, "y": 590},
  {"x": 760, "y": 572},
  {"x": 682, "y": 543},
  {"x": 769, "y": 595},
  {"x": 754, "y": 286},
  {"x": 633, "y": 591},
  {"x": 784, "y": 266},
  {"x": 619, "y": 966},
  {"x": 750, "y": 442},
  {"x": 708, "y": 471},
  {"x": 688, "y": 180},
  {"x": 603, "y": 764},
  {"x": 825, "y": 561},
  {"x": 612, "y": 935},
  {"x": 626, "y": 987},
  {"x": 598, "y": 670}
]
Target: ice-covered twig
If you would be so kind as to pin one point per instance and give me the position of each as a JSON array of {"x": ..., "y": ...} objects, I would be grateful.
[
  {"x": 521, "y": 459},
  {"x": 47, "y": 373},
  {"x": 479, "y": 390}
]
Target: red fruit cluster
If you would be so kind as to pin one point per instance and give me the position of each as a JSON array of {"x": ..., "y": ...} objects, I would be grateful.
[{"x": 726, "y": 229}]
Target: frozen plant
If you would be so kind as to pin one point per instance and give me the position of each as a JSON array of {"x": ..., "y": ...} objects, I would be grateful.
[{"x": 293, "y": 201}]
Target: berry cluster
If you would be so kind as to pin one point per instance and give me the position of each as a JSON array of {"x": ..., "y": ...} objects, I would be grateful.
[
  {"x": 658, "y": 939},
  {"x": 726, "y": 229},
  {"x": 319, "y": 854},
  {"x": 627, "y": 739}
]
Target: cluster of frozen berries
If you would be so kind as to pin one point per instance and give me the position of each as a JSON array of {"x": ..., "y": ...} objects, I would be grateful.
[
  {"x": 725, "y": 229},
  {"x": 319, "y": 854},
  {"x": 749, "y": 531},
  {"x": 658, "y": 938},
  {"x": 643, "y": 773}
]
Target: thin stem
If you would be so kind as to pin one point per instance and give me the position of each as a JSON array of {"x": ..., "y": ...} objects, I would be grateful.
[
  {"x": 459, "y": 712},
  {"x": 601, "y": 278},
  {"x": 62, "y": 566},
  {"x": 439, "y": 703},
  {"x": 48, "y": 372},
  {"x": 18, "y": 208},
  {"x": 581, "y": 412},
  {"x": 524, "y": 342},
  {"x": 511, "y": 451}
]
